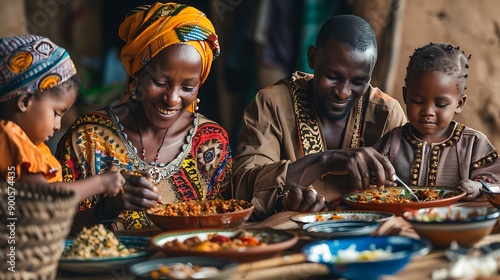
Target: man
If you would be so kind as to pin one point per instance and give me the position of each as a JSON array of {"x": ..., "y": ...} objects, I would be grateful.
[{"x": 305, "y": 140}]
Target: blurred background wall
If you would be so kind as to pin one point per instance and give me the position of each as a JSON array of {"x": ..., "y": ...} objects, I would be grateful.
[{"x": 265, "y": 40}]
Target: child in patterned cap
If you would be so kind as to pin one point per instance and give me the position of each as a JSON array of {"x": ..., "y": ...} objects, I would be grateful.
[{"x": 38, "y": 85}]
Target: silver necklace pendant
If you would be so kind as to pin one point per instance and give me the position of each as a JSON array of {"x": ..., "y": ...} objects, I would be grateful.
[{"x": 155, "y": 174}]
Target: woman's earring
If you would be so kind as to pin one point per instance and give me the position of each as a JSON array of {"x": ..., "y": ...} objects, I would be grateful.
[
  {"x": 133, "y": 89},
  {"x": 194, "y": 106}
]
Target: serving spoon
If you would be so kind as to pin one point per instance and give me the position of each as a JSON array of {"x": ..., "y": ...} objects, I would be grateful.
[{"x": 408, "y": 188}]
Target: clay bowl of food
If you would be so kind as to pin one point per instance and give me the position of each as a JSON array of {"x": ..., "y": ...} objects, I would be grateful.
[
  {"x": 398, "y": 200},
  {"x": 200, "y": 214},
  {"x": 442, "y": 225},
  {"x": 238, "y": 245}
]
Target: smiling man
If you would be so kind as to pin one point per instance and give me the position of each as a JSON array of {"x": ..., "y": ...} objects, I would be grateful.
[{"x": 306, "y": 140}]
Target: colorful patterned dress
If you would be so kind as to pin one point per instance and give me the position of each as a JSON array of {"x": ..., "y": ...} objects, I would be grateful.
[{"x": 95, "y": 143}]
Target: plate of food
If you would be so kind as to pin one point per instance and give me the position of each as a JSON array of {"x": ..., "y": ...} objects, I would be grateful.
[
  {"x": 398, "y": 200},
  {"x": 185, "y": 268},
  {"x": 97, "y": 250},
  {"x": 242, "y": 245},
  {"x": 190, "y": 214},
  {"x": 340, "y": 229},
  {"x": 344, "y": 215}
]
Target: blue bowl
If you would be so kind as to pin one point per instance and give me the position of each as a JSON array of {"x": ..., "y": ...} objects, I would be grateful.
[
  {"x": 339, "y": 229},
  {"x": 402, "y": 250}
]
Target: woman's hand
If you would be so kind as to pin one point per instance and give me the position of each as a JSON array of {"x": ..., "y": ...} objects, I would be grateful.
[
  {"x": 471, "y": 188},
  {"x": 303, "y": 200},
  {"x": 138, "y": 194}
]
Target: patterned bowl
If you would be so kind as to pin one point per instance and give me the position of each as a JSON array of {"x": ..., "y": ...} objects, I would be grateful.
[
  {"x": 340, "y": 229},
  {"x": 442, "y": 225},
  {"x": 366, "y": 258},
  {"x": 225, "y": 267},
  {"x": 344, "y": 215},
  {"x": 98, "y": 265}
]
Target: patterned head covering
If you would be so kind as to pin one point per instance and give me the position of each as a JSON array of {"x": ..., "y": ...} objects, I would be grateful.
[
  {"x": 148, "y": 29},
  {"x": 30, "y": 63}
]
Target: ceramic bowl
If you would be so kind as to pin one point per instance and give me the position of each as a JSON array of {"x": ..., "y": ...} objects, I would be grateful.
[
  {"x": 344, "y": 215},
  {"x": 224, "y": 268},
  {"x": 372, "y": 199},
  {"x": 493, "y": 195},
  {"x": 347, "y": 258},
  {"x": 340, "y": 229},
  {"x": 441, "y": 225},
  {"x": 222, "y": 220},
  {"x": 105, "y": 264}
]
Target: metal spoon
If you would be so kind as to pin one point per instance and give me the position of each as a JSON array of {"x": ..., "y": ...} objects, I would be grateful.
[
  {"x": 485, "y": 186},
  {"x": 408, "y": 188}
]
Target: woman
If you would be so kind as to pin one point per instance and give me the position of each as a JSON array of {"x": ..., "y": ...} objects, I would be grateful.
[{"x": 156, "y": 130}]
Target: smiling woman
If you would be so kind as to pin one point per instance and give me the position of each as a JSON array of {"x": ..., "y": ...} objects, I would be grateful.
[{"x": 156, "y": 130}]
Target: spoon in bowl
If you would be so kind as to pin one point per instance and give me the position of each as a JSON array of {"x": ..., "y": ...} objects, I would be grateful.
[
  {"x": 408, "y": 188},
  {"x": 485, "y": 186}
]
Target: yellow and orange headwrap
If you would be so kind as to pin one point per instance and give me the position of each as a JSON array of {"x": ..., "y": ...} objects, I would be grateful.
[{"x": 148, "y": 29}]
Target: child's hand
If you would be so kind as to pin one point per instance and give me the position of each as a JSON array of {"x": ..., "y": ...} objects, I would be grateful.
[
  {"x": 472, "y": 188},
  {"x": 112, "y": 183}
]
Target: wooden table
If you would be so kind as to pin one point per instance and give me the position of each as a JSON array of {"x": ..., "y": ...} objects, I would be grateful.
[{"x": 419, "y": 268}]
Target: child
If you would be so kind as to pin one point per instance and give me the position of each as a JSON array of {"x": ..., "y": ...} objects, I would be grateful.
[
  {"x": 433, "y": 149},
  {"x": 38, "y": 85}
]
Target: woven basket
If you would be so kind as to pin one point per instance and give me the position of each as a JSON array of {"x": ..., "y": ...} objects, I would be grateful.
[{"x": 38, "y": 224}]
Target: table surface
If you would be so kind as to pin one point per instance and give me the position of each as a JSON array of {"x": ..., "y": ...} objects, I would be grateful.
[{"x": 419, "y": 268}]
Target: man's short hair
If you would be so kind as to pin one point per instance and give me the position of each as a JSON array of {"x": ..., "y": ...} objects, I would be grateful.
[{"x": 351, "y": 30}]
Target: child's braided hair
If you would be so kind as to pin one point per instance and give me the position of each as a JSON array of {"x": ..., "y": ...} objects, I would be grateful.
[{"x": 441, "y": 57}]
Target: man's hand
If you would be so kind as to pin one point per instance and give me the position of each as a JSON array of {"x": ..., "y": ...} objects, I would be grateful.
[
  {"x": 304, "y": 200},
  {"x": 365, "y": 166},
  {"x": 471, "y": 188}
]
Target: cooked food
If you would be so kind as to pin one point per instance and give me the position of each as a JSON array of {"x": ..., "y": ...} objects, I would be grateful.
[
  {"x": 351, "y": 255},
  {"x": 216, "y": 242},
  {"x": 96, "y": 241},
  {"x": 391, "y": 195},
  {"x": 348, "y": 217},
  {"x": 435, "y": 216},
  {"x": 183, "y": 271},
  {"x": 193, "y": 208}
]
